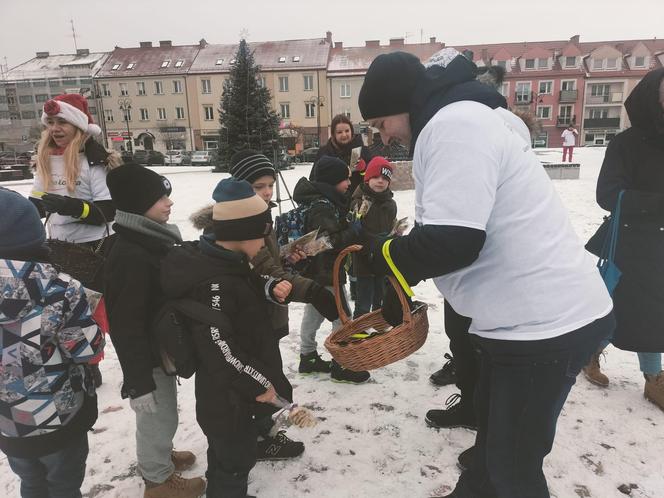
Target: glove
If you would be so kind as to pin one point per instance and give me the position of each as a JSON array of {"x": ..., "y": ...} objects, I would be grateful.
[
  {"x": 392, "y": 311},
  {"x": 144, "y": 404},
  {"x": 323, "y": 300},
  {"x": 62, "y": 204},
  {"x": 361, "y": 166},
  {"x": 373, "y": 249}
]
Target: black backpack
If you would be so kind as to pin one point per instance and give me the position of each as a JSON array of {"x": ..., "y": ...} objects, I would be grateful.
[{"x": 171, "y": 328}]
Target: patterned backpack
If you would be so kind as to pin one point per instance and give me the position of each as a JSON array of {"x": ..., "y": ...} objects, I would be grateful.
[{"x": 290, "y": 226}]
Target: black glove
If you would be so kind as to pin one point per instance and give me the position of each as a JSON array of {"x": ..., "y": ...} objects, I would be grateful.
[
  {"x": 373, "y": 249},
  {"x": 323, "y": 300},
  {"x": 392, "y": 311},
  {"x": 62, "y": 204}
]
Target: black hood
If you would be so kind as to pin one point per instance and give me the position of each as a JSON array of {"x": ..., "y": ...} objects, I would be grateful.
[
  {"x": 441, "y": 86},
  {"x": 306, "y": 192},
  {"x": 643, "y": 107}
]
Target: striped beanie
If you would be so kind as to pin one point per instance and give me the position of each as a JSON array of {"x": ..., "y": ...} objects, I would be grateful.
[
  {"x": 238, "y": 213},
  {"x": 250, "y": 165}
]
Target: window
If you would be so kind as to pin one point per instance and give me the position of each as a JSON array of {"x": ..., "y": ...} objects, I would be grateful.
[
  {"x": 568, "y": 85},
  {"x": 208, "y": 111},
  {"x": 4, "y": 114},
  {"x": 544, "y": 112},
  {"x": 570, "y": 61},
  {"x": 282, "y": 60},
  {"x": 308, "y": 82},
  {"x": 3, "y": 99},
  {"x": 261, "y": 81},
  {"x": 565, "y": 113},
  {"x": 123, "y": 89},
  {"x": 545, "y": 87},
  {"x": 346, "y": 112},
  {"x": 131, "y": 65},
  {"x": 25, "y": 99},
  {"x": 92, "y": 110},
  {"x": 344, "y": 90},
  {"x": 28, "y": 115},
  {"x": 161, "y": 113},
  {"x": 54, "y": 81},
  {"x": 211, "y": 144},
  {"x": 523, "y": 92},
  {"x": 41, "y": 97},
  {"x": 127, "y": 115},
  {"x": 158, "y": 88},
  {"x": 599, "y": 113},
  {"x": 232, "y": 61},
  {"x": 140, "y": 87},
  {"x": 310, "y": 110},
  {"x": 177, "y": 86},
  {"x": 600, "y": 90},
  {"x": 542, "y": 63},
  {"x": 11, "y": 100},
  {"x": 179, "y": 113},
  {"x": 179, "y": 63},
  {"x": 144, "y": 114},
  {"x": 206, "y": 86},
  {"x": 639, "y": 61},
  {"x": 285, "y": 110},
  {"x": 219, "y": 62},
  {"x": 105, "y": 90},
  {"x": 504, "y": 89},
  {"x": 69, "y": 81},
  {"x": 116, "y": 67},
  {"x": 530, "y": 63},
  {"x": 611, "y": 63},
  {"x": 598, "y": 64},
  {"x": 296, "y": 58},
  {"x": 14, "y": 116},
  {"x": 165, "y": 64},
  {"x": 283, "y": 83},
  {"x": 108, "y": 115},
  {"x": 23, "y": 84},
  {"x": 39, "y": 83}
]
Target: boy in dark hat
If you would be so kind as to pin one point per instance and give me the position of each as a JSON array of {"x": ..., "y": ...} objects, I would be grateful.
[
  {"x": 240, "y": 364},
  {"x": 133, "y": 295}
]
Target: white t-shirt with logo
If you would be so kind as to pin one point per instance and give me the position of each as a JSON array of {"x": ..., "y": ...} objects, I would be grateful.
[
  {"x": 533, "y": 280},
  {"x": 90, "y": 186},
  {"x": 569, "y": 138}
]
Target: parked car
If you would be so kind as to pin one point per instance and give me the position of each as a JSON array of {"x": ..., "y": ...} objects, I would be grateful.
[
  {"x": 201, "y": 157},
  {"x": 149, "y": 157},
  {"x": 173, "y": 157},
  {"x": 308, "y": 155}
]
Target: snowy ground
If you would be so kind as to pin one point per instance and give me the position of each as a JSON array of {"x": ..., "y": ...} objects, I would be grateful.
[{"x": 372, "y": 440}]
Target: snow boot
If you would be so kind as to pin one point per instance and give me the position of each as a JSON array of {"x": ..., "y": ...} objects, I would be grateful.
[
  {"x": 593, "y": 373},
  {"x": 183, "y": 460},
  {"x": 654, "y": 389},
  {"x": 465, "y": 459},
  {"x": 279, "y": 447},
  {"x": 446, "y": 375},
  {"x": 175, "y": 486},
  {"x": 311, "y": 363},
  {"x": 456, "y": 414},
  {"x": 341, "y": 374}
]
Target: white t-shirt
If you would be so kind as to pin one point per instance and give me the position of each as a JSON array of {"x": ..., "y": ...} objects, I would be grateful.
[
  {"x": 90, "y": 186},
  {"x": 473, "y": 167},
  {"x": 569, "y": 138}
]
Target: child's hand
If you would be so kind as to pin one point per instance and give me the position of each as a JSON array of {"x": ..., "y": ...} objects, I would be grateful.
[
  {"x": 269, "y": 396},
  {"x": 282, "y": 290},
  {"x": 296, "y": 256}
]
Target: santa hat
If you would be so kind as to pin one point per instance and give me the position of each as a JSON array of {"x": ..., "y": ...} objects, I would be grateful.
[
  {"x": 73, "y": 108},
  {"x": 378, "y": 166}
]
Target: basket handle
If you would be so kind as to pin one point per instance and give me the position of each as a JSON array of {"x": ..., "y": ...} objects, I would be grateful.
[{"x": 337, "y": 292}]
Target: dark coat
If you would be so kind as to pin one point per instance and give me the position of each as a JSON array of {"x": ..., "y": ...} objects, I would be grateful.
[
  {"x": 235, "y": 360},
  {"x": 133, "y": 295},
  {"x": 634, "y": 162},
  {"x": 379, "y": 220},
  {"x": 330, "y": 218},
  {"x": 343, "y": 152}
]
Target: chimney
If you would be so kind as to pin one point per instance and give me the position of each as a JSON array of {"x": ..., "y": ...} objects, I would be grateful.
[
  {"x": 620, "y": 47},
  {"x": 328, "y": 37},
  {"x": 165, "y": 43},
  {"x": 82, "y": 52},
  {"x": 432, "y": 40},
  {"x": 145, "y": 44},
  {"x": 485, "y": 55},
  {"x": 42, "y": 55},
  {"x": 202, "y": 43},
  {"x": 372, "y": 43},
  {"x": 339, "y": 45},
  {"x": 396, "y": 42},
  {"x": 575, "y": 39}
]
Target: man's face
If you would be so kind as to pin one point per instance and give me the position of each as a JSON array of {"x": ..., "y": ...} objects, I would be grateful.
[{"x": 395, "y": 128}]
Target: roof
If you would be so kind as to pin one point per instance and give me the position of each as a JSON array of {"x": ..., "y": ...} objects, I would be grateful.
[
  {"x": 356, "y": 60},
  {"x": 55, "y": 66},
  {"x": 149, "y": 61}
]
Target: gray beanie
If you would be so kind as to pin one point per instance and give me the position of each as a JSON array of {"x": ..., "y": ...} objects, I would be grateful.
[{"x": 21, "y": 228}]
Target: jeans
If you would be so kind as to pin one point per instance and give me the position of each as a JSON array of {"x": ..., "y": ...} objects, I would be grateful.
[
  {"x": 229, "y": 461},
  {"x": 155, "y": 431},
  {"x": 369, "y": 297},
  {"x": 311, "y": 321},
  {"x": 58, "y": 475},
  {"x": 466, "y": 358},
  {"x": 522, "y": 388},
  {"x": 649, "y": 363}
]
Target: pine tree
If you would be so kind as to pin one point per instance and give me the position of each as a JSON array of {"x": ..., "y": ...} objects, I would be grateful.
[{"x": 245, "y": 115}]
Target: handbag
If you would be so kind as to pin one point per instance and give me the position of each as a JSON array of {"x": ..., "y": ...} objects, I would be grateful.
[{"x": 606, "y": 263}]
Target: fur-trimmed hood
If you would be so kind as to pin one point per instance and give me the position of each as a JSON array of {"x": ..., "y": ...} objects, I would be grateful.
[{"x": 202, "y": 218}]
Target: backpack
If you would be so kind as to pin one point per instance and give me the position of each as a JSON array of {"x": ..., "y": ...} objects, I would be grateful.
[
  {"x": 171, "y": 328},
  {"x": 290, "y": 226}
]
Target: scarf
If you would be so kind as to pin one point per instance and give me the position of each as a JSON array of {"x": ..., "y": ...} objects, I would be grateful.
[{"x": 165, "y": 232}]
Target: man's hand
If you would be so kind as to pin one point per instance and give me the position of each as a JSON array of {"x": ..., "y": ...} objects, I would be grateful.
[
  {"x": 62, "y": 204},
  {"x": 282, "y": 290},
  {"x": 269, "y": 396}
]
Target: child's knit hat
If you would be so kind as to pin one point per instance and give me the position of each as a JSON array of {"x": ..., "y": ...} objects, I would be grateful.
[
  {"x": 250, "y": 165},
  {"x": 378, "y": 166},
  {"x": 135, "y": 189},
  {"x": 330, "y": 170},
  {"x": 21, "y": 228},
  {"x": 239, "y": 214}
]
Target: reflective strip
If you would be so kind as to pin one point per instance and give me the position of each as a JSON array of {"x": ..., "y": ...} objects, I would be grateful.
[
  {"x": 86, "y": 211},
  {"x": 388, "y": 259}
]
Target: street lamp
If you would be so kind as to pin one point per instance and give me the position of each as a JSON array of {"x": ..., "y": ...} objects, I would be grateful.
[
  {"x": 125, "y": 107},
  {"x": 318, "y": 101}
]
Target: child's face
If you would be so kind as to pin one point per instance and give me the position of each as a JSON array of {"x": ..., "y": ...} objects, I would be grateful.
[
  {"x": 251, "y": 247},
  {"x": 264, "y": 187},
  {"x": 160, "y": 210},
  {"x": 378, "y": 183},
  {"x": 342, "y": 187}
]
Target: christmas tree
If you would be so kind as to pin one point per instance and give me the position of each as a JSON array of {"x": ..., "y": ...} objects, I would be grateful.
[{"x": 245, "y": 115}]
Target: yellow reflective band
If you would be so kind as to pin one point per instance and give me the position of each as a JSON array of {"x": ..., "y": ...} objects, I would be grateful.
[
  {"x": 402, "y": 281},
  {"x": 86, "y": 211}
]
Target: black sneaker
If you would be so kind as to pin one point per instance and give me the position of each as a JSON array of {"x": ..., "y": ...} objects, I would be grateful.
[
  {"x": 456, "y": 414},
  {"x": 446, "y": 375},
  {"x": 341, "y": 374},
  {"x": 465, "y": 459},
  {"x": 279, "y": 447},
  {"x": 311, "y": 362}
]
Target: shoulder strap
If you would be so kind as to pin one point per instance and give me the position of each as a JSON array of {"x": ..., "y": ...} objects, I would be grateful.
[{"x": 197, "y": 311}]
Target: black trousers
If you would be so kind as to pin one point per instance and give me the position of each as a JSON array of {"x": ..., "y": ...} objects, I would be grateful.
[
  {"x": 466, "y": 357},
  {"x": 230, "y": 459}
]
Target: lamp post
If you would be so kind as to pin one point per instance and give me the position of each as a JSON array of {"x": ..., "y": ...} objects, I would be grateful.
[
  {"x": 125, "y": 107},
  {"x": 317, "y": 101}
]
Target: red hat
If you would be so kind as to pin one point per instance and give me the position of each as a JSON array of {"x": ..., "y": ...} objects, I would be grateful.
[
  {"x": 73, "y": 108},
  {"x": 378, "y": 166}
]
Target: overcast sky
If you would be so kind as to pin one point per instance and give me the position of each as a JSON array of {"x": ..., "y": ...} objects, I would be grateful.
[{"x": 29, "y": 26}]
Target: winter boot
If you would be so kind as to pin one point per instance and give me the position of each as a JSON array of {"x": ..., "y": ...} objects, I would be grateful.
[
  {"x": 465, "y": 459},
  {"x": 183, "y": 460},
  {"x": 96, "y": 375},
  {"x": 175, "y": 486},
  {"x": 311, "y": 362},
  {"x": 593, "y": 372},
  {"x": 279, "y": 447},
  {"x": 446, "y": 375},
  {"x": 456, "y": 414},
  {"x": 341, "y": 374},
  {"x": 654, "y": 389}
]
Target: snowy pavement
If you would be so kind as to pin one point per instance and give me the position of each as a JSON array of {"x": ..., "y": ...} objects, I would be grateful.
[{"x": 372, "y": 440}]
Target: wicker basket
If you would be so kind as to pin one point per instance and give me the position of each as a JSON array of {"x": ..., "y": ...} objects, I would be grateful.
[{"x": 386, "y": 347}]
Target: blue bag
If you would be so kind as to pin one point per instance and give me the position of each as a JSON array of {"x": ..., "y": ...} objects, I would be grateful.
[{"x": 606, "y": 264}]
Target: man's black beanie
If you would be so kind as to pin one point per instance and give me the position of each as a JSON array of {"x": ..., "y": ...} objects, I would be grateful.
[
  {"x": 134, "y": 189},
  {"x": 389, "y": 85}
]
